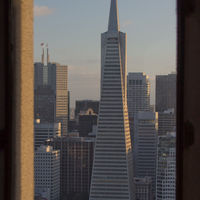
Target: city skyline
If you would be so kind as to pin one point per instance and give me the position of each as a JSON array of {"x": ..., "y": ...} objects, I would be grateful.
[{"x": 151, "y": 39}]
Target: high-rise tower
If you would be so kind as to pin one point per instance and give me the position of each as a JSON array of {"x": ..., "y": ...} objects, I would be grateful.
[
  {"x": 51, "y": 92},
  {"x": 112, "y": 176},
  {"x": 145, "y": 145},
  {"x": 165, "y": 92},
  {"x": 138, "y": 93}
]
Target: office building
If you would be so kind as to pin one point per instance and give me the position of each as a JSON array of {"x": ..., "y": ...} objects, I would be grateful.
[
  {"x": 62, "y": 97},
  {"x": 86, "y": 122},
  {"x": 72, "y": 126},
  {"x": 166, "y": 167},
  {"x": 44, "y": 131},
  {"x": 45, "y": 104},
  {"x": 47, "y": 171},
  {"x": 138, "y": 93},
  {"x": 76, "y": 164},
  {"x": 145, "y": 145},
  {"x": 165, "y": 92},
  {"x": 85, "y": 105},
  {"x": 57, "y": 77},
  {"x": 53, "y": 76},
  {"x": 38, "y": 74},
  {"x": 143, "y": 188},
  {"x": 69, "y": 111},
  {"x": 166, "y": 122},
  {"x": 112, "y": 175},
  {"x": 138, "y": 96}
]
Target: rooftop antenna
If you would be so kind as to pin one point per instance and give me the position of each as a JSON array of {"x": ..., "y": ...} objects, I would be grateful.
[
  {"x": 48, "y": 59},
  {"x": 42, "y": 44}
]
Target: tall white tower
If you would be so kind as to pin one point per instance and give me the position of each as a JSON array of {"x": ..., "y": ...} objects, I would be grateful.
[{"x": 112, "y": 176}]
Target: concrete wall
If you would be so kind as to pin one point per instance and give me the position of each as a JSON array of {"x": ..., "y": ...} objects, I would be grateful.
[{"x": 22, "y": 63}]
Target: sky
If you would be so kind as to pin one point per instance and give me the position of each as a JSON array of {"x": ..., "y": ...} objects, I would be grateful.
[{"x": 72, "y": 29}]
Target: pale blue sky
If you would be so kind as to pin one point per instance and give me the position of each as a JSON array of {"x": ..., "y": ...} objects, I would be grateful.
[{"x": 72, "y": 29}]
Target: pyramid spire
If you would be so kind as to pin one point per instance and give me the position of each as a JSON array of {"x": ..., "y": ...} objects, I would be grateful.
[{"x": 113, "y": 24}]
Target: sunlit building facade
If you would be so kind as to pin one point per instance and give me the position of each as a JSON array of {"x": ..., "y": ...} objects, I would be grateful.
[{"x": 62, "y": 97}]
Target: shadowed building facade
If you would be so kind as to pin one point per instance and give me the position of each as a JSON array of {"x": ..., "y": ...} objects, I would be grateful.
[
  {"x": 84, "y": 105},
  {"x": 47, "y": 171},
  {"x": 86, "y": 122},
  {"x": 143, "y": 188},
  {"x": 76, "y": 165},
  {"x": 112, "y": 176},
  {"x": 51, "y": 92},
  {"x": 44, "y": 131},
  {"x": 166, "y": 122},
  {"x": 45, "y": 104},
  {"x": 165, "y": 92},
  {"x": 145, "y": 145}
]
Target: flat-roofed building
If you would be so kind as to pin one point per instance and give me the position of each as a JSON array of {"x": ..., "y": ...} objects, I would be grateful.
[
  {"x": 76, "y": 164},
  {"x": 165, "y": 92},
  {"x": 47, "y": 171},
  {"x": 145, "y": 145}
]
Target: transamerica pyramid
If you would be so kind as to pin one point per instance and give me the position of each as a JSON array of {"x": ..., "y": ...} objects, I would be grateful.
[{"x": 112, "y": 175}]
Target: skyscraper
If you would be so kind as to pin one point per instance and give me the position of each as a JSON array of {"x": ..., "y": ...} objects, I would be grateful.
[
  {"x": 38, "y": 74},
  {"x": 138, "y": 93},
  {"x": 165, "y": 92},
  {"x": 52, "y": 77},
  {"x": 112, "y": 175},
  {"x": 47, "y": 171},
  {"x": 145, "y": 145},
  {"x": 62, "y": 97},
  {"x": 76, "y": 164}
]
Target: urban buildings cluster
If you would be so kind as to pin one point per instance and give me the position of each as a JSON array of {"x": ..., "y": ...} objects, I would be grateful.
[{"x": 118, "y": 148}]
